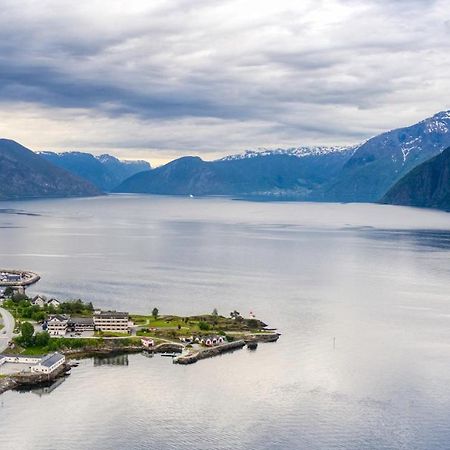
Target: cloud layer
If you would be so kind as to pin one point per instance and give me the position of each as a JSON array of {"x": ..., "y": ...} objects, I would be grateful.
[{"x": 169, "y": 77}]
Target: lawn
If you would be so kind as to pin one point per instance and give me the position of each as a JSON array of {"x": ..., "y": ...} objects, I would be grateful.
[{"x": 173, "y": 327}]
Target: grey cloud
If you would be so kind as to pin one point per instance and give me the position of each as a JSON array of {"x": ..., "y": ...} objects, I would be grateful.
[{"x": 275, "y": 74}]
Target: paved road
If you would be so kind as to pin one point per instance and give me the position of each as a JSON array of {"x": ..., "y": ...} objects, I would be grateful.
[{"x": 7, "y": 331}]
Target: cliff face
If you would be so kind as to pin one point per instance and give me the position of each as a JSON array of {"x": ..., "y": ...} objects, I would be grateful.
[
  {"x": 24, "y": 174},
  {"x": 428, "y": 185}
]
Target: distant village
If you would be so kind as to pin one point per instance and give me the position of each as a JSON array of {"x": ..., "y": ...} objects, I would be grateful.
[{"x": 42, "y": 323}]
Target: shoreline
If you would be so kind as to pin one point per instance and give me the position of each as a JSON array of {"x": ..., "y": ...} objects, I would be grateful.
[{"x": 18, "y": 380}]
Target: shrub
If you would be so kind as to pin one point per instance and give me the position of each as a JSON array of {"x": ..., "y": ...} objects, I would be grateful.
[
  {"x": 41, "y": 339},
  {"x": 204, "y": 326}
]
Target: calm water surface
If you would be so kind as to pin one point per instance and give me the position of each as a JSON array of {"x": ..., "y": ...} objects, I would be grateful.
[{"x": 375, "y": 278}]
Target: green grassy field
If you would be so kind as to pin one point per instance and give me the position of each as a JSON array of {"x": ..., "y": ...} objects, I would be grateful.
[{"x": 173, "y": 327}]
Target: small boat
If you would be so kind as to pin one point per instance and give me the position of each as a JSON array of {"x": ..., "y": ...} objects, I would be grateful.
[{"x": 170, "y": 355}]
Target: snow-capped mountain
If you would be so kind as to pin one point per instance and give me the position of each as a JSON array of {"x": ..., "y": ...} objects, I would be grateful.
[
  {"x": 292, "y": 173},
  {"x": 380, "y": 162},
  {"x": 294, "y": 151}
]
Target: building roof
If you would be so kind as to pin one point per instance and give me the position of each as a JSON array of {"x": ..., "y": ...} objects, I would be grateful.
[
  {"x": 58, "y": 317},
  {"x": 82, "y": 320},
  {"x": 111, "y": 315},
  {"x": 51, "y": 359}
]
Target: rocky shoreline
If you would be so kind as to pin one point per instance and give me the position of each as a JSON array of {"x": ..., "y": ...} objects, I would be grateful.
[{"x": 17, "y": 380}]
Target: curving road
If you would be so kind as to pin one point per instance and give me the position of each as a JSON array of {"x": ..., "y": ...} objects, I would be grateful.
[{"x": 6, "y": 332}]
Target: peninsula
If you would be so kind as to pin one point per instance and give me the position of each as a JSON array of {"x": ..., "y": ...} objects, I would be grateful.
[{"x": 40, "y": 335}]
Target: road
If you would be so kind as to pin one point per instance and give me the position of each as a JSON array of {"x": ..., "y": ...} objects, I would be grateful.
[{"x": 6, "y": 332}]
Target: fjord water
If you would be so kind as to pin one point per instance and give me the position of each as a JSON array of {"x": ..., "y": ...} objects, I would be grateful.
[{"x": 360, "y": 294}]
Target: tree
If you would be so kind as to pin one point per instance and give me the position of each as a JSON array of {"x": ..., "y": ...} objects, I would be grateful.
[
  {"x": 27, "y": 331},
  {"x": 155, "y": 313},
  {"x": 236, "y": 315},
  {"x": 204, "y": 326},
  {"x": 42, "y": 339}
]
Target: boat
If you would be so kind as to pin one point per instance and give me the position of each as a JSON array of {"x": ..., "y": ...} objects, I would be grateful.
[{"x": 170, "y": 355}]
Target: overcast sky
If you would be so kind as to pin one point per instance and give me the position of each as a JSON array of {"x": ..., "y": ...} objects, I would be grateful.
[{"x": 163, "y": 78}]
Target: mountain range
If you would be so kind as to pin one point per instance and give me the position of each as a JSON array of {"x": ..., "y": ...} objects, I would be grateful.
[
  {"x": 361, "y": 173},
  {"x": 427, "y": 185},
  {"x": 294, "y": 173},
  {"x": 380, "y": 168},
  {"x": 24, "y": 174},
  {"x": 383, "y": 160},
  {"x": 104, "y": 171}
]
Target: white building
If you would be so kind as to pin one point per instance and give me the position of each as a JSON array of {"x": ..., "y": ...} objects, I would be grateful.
[
  {"x": 111, "y": 321},
  {"x": 49, "y": 363},
  {"x": 147, "y": 343},
  {"x": 80, "y": 324},
  {"x": 210, "y": 341},
  {"x": 53, "y": 302},
  {"x": 57, "y": 325},
  {"x": 39, "y": 364},
  {"x": 39, "y": 300}
]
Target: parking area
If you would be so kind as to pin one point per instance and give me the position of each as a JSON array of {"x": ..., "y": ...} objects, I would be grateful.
[{"x": 9, "y": 368}]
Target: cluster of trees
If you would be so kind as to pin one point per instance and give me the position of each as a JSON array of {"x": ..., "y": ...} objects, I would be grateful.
[
  {"x": 22, "y": 307},
  {"x": 28, "y": 338},
  {"x": 75, "y": 307}
]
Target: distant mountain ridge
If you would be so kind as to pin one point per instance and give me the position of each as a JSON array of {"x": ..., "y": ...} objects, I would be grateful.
[
  {"x": 359, "y": 173},
  {"x": 24, "y": 174},
  {"x": 278, "y": 174},
  {"x": 300, "y": 152},
  {"x": 104, "y": 171},
  {"x": 381, "y": 161},
  {"x": 427, "y": 185}
]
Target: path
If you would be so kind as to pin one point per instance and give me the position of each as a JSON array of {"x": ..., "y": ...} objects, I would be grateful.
[{"x": 6, "y": 332}]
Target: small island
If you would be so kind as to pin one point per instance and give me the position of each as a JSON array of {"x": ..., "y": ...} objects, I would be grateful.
[{"x": 42, "y": 335}]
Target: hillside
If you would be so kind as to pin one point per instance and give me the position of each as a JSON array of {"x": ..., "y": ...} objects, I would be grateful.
[
  {"x": 267, "y": 174},
  {"x": 24, "y": 174},
  {"x": 381, "y": 161},
  {"x": 105, "y": 171},
  {"x": 428, "y": 185},
  {"x": 362, "y": 173}
]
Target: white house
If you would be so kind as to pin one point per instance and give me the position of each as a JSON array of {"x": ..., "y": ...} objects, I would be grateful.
[
  {"x": 210, "y": 341},
  {"x": 147, "y": 343},
  {"x": 53, "y": 302},
  {"x": 39, "y": 300},
  {"x": 49, "y": 363},
  {"x": 57, "y": 325}
]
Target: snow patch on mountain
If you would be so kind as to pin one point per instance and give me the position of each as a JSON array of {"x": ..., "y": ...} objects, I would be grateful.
[{"x": 299, "y": 152}]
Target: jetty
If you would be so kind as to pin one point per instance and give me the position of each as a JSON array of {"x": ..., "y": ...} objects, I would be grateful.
[
  {"x": 194, "y": 356},
  {"x": 17, "y": 278}
]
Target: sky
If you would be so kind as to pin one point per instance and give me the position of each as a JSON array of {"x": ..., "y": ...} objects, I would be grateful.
[{"x": 160, "y": 79}]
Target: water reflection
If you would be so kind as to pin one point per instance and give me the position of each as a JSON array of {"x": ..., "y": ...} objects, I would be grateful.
[
  {"x": 111, "y": 360},
  {"x": 45, "y": 388}
]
